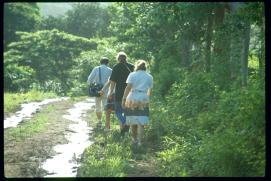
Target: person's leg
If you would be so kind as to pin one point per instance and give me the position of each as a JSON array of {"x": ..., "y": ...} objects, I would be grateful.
[
  {"x": 107, "y": 118},
  {"x": 140, "y": 132},
  {"x": 119, "y": 114},
  {"x": 99, "y": 116},
  {"x": 134, "y": 133},
  {"x": 125, "y": 126},
  {"x": 98, "y": 107},
  {"x": 103, "y": 105}
]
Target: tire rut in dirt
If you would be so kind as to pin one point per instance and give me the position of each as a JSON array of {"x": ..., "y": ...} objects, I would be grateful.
[{"x": 22, "y": 157}]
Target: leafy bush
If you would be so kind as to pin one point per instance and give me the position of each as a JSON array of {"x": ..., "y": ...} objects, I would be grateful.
[
  {"x": 237, "y": 145},
  {"x": 49, "y": 86},
  {"x": 211, "y": 132},
  {"x": 17, "y": 78},
  {"x": 166, "y": 75},
  {"x": 158, "y": 115},
  {"x": 50, "y": 54},
  {"x": 194, "y": 93},
  {"x": 174, "y": 160}
]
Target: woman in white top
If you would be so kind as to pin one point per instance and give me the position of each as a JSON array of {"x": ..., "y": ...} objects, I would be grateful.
[{"x": 136, "y": 100}]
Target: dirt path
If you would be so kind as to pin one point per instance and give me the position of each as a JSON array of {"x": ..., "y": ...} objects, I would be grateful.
[{"x": 24, "y": 153}]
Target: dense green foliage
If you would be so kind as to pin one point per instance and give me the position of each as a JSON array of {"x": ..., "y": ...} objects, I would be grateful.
[
  {"x": 43, "y": 60},
  {"x": 84, "y": 19},
  {"x": 207, "y": 60},
  {"x": 19, "y": 17},
  {"x": 212, "y": 133}
]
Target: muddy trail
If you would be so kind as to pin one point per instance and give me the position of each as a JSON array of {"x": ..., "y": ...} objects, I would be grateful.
[
  {"x": 33, "y": 143},
  {"x": 47, "y": 139}
]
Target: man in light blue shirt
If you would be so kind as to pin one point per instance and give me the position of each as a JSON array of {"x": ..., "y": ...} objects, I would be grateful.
[{"x": 105, "y": 73}]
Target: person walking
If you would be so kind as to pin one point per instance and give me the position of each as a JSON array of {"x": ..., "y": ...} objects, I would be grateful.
[
  {"x": 103, "y": 73},
  {"x": 109, "y": 106},
  {"x": 136, "y": 99},
  {"x": 120, "y": 72}
]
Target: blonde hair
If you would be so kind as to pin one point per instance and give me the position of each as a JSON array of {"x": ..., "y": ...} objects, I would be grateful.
[
  {"x": 121, "y": 57},
  {"x": 140, "y": 65}
]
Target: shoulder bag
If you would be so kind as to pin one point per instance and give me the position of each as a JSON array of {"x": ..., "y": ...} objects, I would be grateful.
[{"x": 94, "y": 88}]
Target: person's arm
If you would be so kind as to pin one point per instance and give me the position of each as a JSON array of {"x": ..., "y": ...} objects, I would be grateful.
[
  {"x": 149, "y": 92},
  {"x": 111, "y": 89},
  {"x": 150, "y": 87},
  {"x": 126, "y": 92},
  {"x": 106, "y": 85},
  {"x": 91, "y": 76}
]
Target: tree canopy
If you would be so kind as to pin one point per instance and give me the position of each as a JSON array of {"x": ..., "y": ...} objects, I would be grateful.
[{"x": 20, "y": 17}]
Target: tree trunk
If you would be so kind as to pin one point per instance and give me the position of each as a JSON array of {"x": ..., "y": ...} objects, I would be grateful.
[
  {"x": 235, "y": 53},
  {"x": 245, "y": 50},
  {"x": 221, "y": 50},
  {"x": 262, "y": 50},
  {"x": 208, "y": 42},
  {"x": 186, "y": 51}
]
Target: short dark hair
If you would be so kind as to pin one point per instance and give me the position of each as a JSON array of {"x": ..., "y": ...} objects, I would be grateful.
[{"x": 104, "y": 60}]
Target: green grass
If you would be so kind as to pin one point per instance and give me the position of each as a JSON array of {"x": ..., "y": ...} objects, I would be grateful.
[
  {"x": 107, "y": 157},
  {"x": 38, "y": 124},
  {"x": 77, "y": 99},
  {"x": 12, "y": 101},
  {"x": 111, "y": 155}
]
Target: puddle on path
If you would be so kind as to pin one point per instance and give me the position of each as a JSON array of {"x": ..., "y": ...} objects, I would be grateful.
[
  {"x": 64, "y": 163},
  {"x": 28, "y": 109}
]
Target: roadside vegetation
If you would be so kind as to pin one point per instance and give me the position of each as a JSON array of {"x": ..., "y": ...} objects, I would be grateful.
[
  {"x": 13, "y": 101},
  {"x": 207, "y": 111},
  {"x": 111, "y": 155}
]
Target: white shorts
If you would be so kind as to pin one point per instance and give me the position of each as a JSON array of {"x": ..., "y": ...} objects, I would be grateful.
[{"x": 100, "y": 103}]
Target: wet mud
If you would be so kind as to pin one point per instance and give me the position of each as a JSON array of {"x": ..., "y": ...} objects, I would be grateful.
[{"x": 27, "y": 157}]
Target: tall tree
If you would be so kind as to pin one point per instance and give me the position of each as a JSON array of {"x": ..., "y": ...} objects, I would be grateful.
[
  {"x": 19, "y": 17},
  {"x": 209, "y": 34},
  {"x": 245, "y": 51},
  {"x": 221, "y": 49},
  {"x": 262, "y": 49},
  {"x": 243, "y": 16},
  {"x": 87, "y": 20},
  {"x": 51, "y": 22}
]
